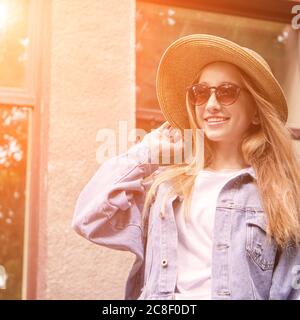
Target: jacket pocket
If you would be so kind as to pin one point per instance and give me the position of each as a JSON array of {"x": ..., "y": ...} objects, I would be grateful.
[{"x": 261, "y": 249}]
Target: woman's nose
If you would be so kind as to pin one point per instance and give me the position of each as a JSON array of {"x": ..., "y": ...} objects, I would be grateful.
[{"x": 212, "y": 103}]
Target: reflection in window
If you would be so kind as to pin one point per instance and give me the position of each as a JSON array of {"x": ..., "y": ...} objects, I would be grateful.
[
  {"x": 14, "y": 122},
  {"x": 13, "y": 42},
  {"x": 157, "y": 26}
]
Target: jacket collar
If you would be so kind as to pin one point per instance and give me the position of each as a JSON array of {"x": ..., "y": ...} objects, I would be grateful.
[{"x": 252, "y": 172}]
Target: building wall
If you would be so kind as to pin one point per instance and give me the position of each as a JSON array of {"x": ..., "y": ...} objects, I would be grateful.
[{"x": 91, "y": 86}]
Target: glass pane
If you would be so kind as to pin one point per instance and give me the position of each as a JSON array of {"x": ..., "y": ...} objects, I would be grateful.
[
  {"x": 157, "y": 26},
  {"x": 13, "y": 42},
  {"x": 14, "y": 123}
]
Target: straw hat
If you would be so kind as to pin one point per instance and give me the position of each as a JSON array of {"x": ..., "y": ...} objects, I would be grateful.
[{"x": 182, "y": 61}]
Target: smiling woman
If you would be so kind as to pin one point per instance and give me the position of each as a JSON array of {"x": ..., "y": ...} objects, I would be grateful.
[
  {"x": 227, "y": 113},
  {"x": 211, "y": 229}
]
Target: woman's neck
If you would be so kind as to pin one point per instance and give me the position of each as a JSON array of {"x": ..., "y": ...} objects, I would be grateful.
[{"x": 227, "y": 157}]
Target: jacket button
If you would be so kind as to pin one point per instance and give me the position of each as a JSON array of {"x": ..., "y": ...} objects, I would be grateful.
[
  {"x": 164, "y": 262},
  {"x": 223, "y": 292},
  {"x": 222, "y": 246}
]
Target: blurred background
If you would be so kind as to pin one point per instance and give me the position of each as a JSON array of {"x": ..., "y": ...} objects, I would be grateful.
[{"x": 69, "y": 68}]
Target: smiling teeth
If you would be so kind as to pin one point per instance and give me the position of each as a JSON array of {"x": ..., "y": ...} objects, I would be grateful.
[{"x": 216, "y": 119}]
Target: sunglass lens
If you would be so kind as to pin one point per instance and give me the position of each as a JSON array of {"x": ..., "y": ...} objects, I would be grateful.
[
  {"x": 227, "y": 94},
  {"x": 199, "y": 94}
]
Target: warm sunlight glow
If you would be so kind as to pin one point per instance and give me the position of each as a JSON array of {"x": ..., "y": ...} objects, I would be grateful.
[
  {"x": 3, "y": 16},
  {"x": 14, "y": 42}
]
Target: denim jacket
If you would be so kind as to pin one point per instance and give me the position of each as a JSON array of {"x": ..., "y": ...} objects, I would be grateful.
[{"x": 245, "y": 264}]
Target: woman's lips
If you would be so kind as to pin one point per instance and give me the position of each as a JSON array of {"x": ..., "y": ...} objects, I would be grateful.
[{"x": 216, "y": 123}]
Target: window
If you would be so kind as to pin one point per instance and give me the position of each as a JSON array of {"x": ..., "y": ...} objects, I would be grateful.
[
  {"x": 157, "y": 26},
  {"x": 13, "y": 152},
  {"x": 18, "y": 72}
]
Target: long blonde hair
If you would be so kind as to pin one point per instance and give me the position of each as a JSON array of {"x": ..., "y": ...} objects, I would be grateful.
[{"x": 268, "y": 148}]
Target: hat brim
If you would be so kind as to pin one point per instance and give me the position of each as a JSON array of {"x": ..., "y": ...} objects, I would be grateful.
[{"x": 184, "y": 58}]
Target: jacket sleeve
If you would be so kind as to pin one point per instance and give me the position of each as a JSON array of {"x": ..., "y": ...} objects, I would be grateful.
[
  {"x": 108, "y": 209},
  {"x": 286, "y": 276}
]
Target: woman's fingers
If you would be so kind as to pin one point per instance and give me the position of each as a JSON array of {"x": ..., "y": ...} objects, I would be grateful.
[
  {"x": 177, "y": 136},
  {"x": 172, "y": 135},
  {"x": 166, "y": 132},
  {"x": 167, "y": 141},
  {"x": 165, "y": 125}
]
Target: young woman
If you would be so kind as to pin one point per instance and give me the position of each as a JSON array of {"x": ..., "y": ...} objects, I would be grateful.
[{"x": 225, "y": 225}]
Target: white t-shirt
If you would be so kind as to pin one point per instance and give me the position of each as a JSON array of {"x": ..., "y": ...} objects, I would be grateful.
[{"x": 195, "y": 237}]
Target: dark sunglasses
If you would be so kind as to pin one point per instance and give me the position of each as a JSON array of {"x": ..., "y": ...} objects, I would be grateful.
[{"x": 226, "y": 93}]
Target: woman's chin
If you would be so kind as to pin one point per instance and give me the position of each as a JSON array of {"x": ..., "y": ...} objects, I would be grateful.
[{"x": 214, "y": 136}]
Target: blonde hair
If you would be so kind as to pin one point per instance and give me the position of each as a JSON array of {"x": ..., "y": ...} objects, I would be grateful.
[{"x": 268, "y": 148}]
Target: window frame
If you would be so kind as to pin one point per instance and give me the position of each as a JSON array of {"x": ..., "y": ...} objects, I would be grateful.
[
  {"x": 39, "y": 21},
  {"x": 274, "y": 10},
  {"x": 30, "y": 96},
  {"x": 26, "y": 96}
]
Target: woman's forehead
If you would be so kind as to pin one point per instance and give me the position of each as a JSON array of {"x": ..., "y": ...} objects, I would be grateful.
[{"x": 218, "y": 72}]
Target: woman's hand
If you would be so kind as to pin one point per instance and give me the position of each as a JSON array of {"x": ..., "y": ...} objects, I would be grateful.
[{"x": 166, "y": 145}]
